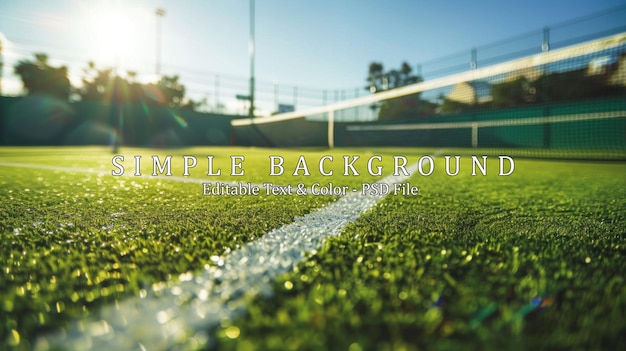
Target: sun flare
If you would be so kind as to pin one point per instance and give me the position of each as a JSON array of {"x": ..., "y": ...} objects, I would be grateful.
[
  {"x": 115, "y": 33},
  {"x": 118, "y": 33}
]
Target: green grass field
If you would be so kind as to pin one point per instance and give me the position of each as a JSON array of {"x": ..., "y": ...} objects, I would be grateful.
[{"x": 530, "y": 260}]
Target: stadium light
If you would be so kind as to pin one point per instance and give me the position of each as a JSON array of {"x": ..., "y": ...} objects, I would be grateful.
[
  {"x": 251, "y": 49},
  {"x": 160, "y": 13},
  {"x": 1, "y": 63}
]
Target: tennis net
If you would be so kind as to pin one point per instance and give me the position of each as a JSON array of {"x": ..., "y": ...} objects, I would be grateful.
[{"x": 568, "y": 103}]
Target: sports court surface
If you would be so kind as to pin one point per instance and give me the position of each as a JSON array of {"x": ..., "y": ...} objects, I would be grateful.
[{"x": 92, "y": 260}]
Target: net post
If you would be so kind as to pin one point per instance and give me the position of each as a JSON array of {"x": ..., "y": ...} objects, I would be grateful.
[
  {"x": 331, "y": 129},
  {"x": 474, "y": 61},
  {"x": 474, "y": 135},
  {"x": 546, "y": 108}
]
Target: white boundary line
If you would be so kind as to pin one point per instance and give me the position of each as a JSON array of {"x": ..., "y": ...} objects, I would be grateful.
[
  {"x": 149, "y": 177},
  {"x": 180, "y": 314},
  {"x": 50, "y": 168},
  {"x": 108, "y": 172}
]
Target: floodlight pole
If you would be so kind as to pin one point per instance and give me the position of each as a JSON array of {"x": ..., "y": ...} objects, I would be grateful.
[
  {"x": 251, "y": 49},
  {"x": 331, "y": 129},
  {"x": 1, "y": 65},
  {"x": 160, "y": 13},
  {"x": 117, "y": 108}
]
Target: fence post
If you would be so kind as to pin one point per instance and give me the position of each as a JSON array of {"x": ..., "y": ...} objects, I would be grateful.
[
  {"x": 474, "y": 63},
  {"x": 276, "y": 96},
  {"x": 295, "y": 97},
  {"x": 217, "y": 91},
  {"x": 546, "y": 107},
  {"x": 545, "y": 46},
  {"x": 331, "y": 129}
]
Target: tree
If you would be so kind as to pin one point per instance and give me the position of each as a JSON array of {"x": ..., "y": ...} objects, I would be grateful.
[
  {"x": 173, "y": 91},
  {"x": 378, "y": 80},
  {"x": 97, "y": 83},
  {"x": 453, "y": 106},
  {"x": 195, "y": 105},
  {"x": 173, "y": 94},
  {"x": 39, "y": 77},
  {"x": 407, "y": 77},
  {"x": 392, "y": 80},
  {"x": 375, "y": 77},
  {"x": 513, "y": 93},
  {"x": 404, "y": 107},
  {"x": 103, "y": 85},
  {"x": 575, "y": 85}
]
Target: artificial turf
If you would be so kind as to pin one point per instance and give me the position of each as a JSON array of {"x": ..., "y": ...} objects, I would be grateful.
[
  {"x": 74, "y": 237},
  {"x": 482, "y": 262},
  {"x": 72, "y": 241},
  {"x": 530, "y": 261}
]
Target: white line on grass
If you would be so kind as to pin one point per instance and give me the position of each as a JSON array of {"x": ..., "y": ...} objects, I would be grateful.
[
  {"x": 51, "y": 168},
  {"x": 104, "y": 172},
  {"x": 179, "y": 315},
  {"x": 149, "y": 177}
]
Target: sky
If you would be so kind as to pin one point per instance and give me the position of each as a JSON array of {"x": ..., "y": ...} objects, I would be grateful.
[{"x": 301, "y": 47}]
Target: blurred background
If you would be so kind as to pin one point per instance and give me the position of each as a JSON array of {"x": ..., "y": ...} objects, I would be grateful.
[{"x": 155, "y": 73}]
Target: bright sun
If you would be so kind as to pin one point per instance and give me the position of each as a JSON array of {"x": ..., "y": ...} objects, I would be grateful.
[
  {"x": 115, "y": 34},
  {"x": 118, "y": 34}
]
